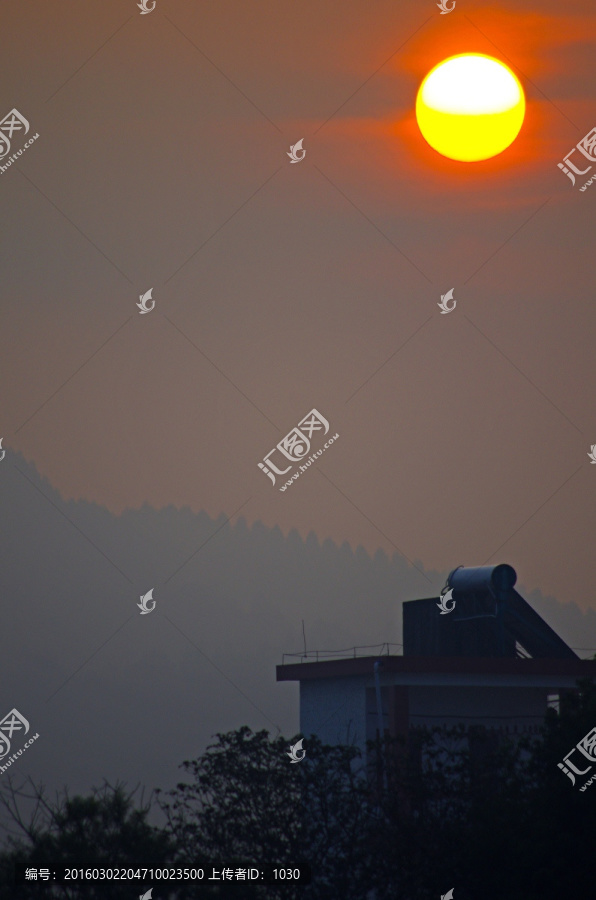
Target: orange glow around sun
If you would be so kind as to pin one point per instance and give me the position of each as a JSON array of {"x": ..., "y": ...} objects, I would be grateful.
[{"x": 470, "y": 107}]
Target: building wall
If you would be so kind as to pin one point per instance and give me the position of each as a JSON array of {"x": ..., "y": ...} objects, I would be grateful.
[
  {"x": 343, "y": 710},
  {"x": 490, "y": 706},
  {"x": 334, "y": 710}
]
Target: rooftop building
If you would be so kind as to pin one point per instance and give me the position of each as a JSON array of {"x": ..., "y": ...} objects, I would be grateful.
[{"x": 479, "y": 655}]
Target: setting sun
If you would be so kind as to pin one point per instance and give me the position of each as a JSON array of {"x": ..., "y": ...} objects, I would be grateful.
[{"x": 470, "y": 107}]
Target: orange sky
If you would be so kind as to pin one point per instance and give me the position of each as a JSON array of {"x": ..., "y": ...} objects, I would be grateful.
[{"x": 298, "y": 282}]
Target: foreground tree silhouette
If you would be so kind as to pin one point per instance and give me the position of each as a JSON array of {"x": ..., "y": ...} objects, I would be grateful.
[
  {"x": 493, "y": 818},
  {"x": 450, "y": 809},
  {"x": 246, "y": 803},
  {"x": 104, "y": 829}
]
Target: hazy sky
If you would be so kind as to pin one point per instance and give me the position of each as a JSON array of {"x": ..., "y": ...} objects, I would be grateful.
[
  {"x": 162, "y": 164},
  {"x": 114, "y": 694},
  {"x": 279, "y": 288}
]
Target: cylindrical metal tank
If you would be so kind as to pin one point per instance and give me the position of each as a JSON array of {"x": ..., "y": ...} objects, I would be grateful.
[{"x": 496, "y": 579}]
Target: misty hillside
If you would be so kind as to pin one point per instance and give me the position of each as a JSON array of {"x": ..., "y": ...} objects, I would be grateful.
[{"x": 78, "y": 659}]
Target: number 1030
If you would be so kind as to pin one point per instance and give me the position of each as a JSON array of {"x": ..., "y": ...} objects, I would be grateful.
[{"x": 283, "y": 874}]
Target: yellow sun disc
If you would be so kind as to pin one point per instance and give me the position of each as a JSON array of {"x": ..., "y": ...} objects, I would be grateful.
[{"x": 470, "y": 107}]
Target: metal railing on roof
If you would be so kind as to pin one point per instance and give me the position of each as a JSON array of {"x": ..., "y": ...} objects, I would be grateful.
[
  {"x": 347, "y": 653},
  {"x": 371, "y": 650}
]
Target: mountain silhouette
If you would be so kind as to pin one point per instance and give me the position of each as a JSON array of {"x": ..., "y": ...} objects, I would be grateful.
[{"x": 118, "y": 695}]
